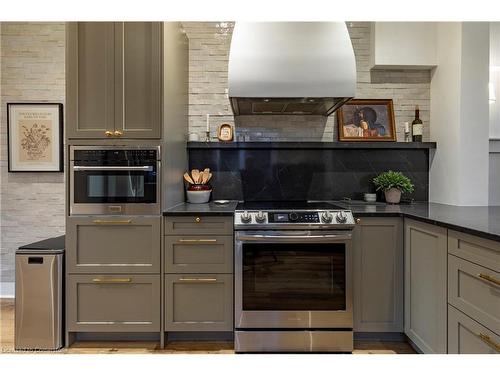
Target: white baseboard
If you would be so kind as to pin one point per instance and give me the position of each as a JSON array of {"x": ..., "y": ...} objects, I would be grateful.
[{"x": 7, "y": 290}]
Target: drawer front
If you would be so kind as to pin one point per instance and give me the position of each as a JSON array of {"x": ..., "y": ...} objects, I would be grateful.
[
  {"x": 113, "y": 245},
  {"x": 199, "y": 302},
  {"x": 199, "y": 254},
  {"x": 113, "y": 303},
  {"x": 196, "y": 225},
  {"x": 466, "y": 336},
  {"x": 478, "y": 250},
  {"x": 475, "y": 290}
]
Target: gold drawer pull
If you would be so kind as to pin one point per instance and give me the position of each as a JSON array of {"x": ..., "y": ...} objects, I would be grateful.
[
  {"x": 489, "y": 278},
  {"x": 118, "y": 133},
  {"x": 108, "y": 133},
  {"x": 196, "y": 240},
  {"x": 198, "y": 280},
  {"x": 113, "y": 280},
  {"x": 198, "y": 219},
  {"x": 487, "y": 339},
  {"x": 112, "y": 221}
]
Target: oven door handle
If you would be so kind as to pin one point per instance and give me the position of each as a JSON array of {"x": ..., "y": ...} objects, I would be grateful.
[
  {"x": 284, "y": 238},
  {"x": 148, "y": 168}
]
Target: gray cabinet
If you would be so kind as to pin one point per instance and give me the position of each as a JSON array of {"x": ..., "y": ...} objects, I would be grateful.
[
  {"x": 378, "y": 275},
  {"x": 199, "y": 302},
  {"x": 199, "y": 273},
  {"x": 113, "y": 80},
  {"x": 113, "y": 303},
  {"x": 466, "y": 336},
  {"x": 197, "y": 254},
  {"x": 426, "y": 286},
  {"x": 113, "y": 244}
]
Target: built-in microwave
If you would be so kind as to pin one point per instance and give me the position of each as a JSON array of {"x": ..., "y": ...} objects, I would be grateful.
[{"x": 114, "y": 180}]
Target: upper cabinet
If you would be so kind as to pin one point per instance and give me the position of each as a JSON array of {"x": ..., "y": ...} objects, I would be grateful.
[
  {"x": 403, "y": 45},
  {"x": 114, "y": 80}
]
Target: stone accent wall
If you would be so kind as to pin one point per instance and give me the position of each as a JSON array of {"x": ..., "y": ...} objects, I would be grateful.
[
  {"x": 209, "y": 44},
  {"x": 32, "y": 69}
]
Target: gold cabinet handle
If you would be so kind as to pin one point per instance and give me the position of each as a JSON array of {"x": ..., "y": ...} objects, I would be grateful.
[
  {"x": 487, "y": 340},
  {"x": 198, "y": 219},
  {"x": 112, "y": 221},
  {"x": 489, "y": 278},
  {"x": 108, "y": 133},
  {"x": 198, "y": 240},
  {"x": 112, "y": 281},
  {"x": 198, "y": 280},
  {"x": 358, "y": 221},
  {"x": 118, "y": 133}
]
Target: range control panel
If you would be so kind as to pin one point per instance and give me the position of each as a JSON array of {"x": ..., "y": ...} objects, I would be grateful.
[
  {"x": 295, "y": 217},
  {"x": 281, "y": 218}
]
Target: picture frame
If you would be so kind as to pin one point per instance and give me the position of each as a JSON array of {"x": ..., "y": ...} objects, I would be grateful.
[
  {"x": 35, "y": 137},
  {"x": 366, "y": 120}
]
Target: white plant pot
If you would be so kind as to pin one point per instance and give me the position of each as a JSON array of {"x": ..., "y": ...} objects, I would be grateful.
[{"x": 393, "y": 196}]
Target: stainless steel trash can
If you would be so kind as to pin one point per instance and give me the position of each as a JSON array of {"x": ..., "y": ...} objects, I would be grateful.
[{"x": 39, "y": 295}]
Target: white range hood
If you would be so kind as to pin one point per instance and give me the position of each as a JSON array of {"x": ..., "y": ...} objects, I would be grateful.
[{"x": 292, "y": 68}]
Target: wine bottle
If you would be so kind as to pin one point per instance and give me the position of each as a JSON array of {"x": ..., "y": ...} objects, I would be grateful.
[{"x": 417, "y": 126}]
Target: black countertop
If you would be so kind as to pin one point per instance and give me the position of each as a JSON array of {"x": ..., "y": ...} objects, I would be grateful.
[
  {"x": 207, "y": 209},
  {"x": 483, "y": 221},
  {"x": 55, "y": 244}
]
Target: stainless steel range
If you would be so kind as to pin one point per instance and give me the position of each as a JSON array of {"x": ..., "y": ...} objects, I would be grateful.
[{"x": 293, "y": 277}]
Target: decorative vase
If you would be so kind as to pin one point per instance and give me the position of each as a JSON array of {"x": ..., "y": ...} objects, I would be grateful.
[{"x": 393, "y": 196}]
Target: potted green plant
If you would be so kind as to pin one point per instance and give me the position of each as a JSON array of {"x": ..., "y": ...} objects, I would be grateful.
[{"x": 393, "y": 184}]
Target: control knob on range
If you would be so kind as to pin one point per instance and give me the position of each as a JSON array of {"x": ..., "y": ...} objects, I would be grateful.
[
  {"x": 341, "y": 217},
  {"x": 246, "y": 217},
  {"x": 293, "y": 216},
  {"x": 326, "y": 217},
  {"x": 260, "y": 217}
]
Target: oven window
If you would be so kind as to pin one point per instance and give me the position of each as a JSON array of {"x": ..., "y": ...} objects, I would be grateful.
[
  {"x": 116, "y": 186},
  {"x": 294, "y": 277}
]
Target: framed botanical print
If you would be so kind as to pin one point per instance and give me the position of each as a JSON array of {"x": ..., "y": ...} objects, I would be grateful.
[
  {"x": 35, "y": 137},
  {"x": 366, "y": 120}
]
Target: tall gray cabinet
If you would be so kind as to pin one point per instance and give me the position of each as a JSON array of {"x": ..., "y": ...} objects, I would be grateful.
[{"x": 114, "y": 80}]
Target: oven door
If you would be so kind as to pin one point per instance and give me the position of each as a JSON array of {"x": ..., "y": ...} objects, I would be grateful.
[
  {"x": 293, "y": 279},
  {"x": 119, "y": 189}
]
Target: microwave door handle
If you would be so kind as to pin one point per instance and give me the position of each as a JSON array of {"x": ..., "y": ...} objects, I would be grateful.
[
  {"x": 111, "y": 168},
  {"x": 284, "y": 238}
]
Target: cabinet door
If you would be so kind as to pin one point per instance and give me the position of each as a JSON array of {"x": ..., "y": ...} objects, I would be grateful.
[
  {"x": 199, "y": 302},
  {"x": 466, "y": 336},
  {"x": 378, "y": 275},
  {"x": 113, "y": 244},
  {"x": 113, "y": 303},
  {"x": 425, "y": 286},
  {"x": 90, "y": 91},
  {"x": 138, "y": 79}
]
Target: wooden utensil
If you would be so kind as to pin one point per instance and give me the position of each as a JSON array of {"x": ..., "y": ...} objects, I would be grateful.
[
  {"x": 205, "y": 175},
  {"x": 195, "y": 174},
  {"x": 188, "y": 178},
  {"x": 209, "y": 177}
]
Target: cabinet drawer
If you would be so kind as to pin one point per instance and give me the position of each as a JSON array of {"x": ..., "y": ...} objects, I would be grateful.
[
  {"x": 199, "y": 302},
  {"x": 475, "y": 249},
  {"x": 199, "y": 254},
  {"x": 113, "y": 245},
  {"x": 194, "y": 225},
  {"x": 466, "y": 336},
  {"x": 113, "y": 303},
  {"x": 475, "y": 290}
]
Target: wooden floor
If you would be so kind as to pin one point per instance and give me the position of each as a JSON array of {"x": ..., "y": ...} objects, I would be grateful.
[{"x": 180, "y": 347}]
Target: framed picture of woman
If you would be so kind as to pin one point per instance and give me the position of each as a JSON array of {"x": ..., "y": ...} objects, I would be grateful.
[{"x": 366, "y": 120}]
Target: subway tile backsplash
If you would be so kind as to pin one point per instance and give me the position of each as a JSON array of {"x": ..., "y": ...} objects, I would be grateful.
[{"x": 209, "y": 44}]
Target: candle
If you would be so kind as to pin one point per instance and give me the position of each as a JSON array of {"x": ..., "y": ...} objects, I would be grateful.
[
  {"x": 208, "y": 122},
  {"x": 407, "y": 127}
]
